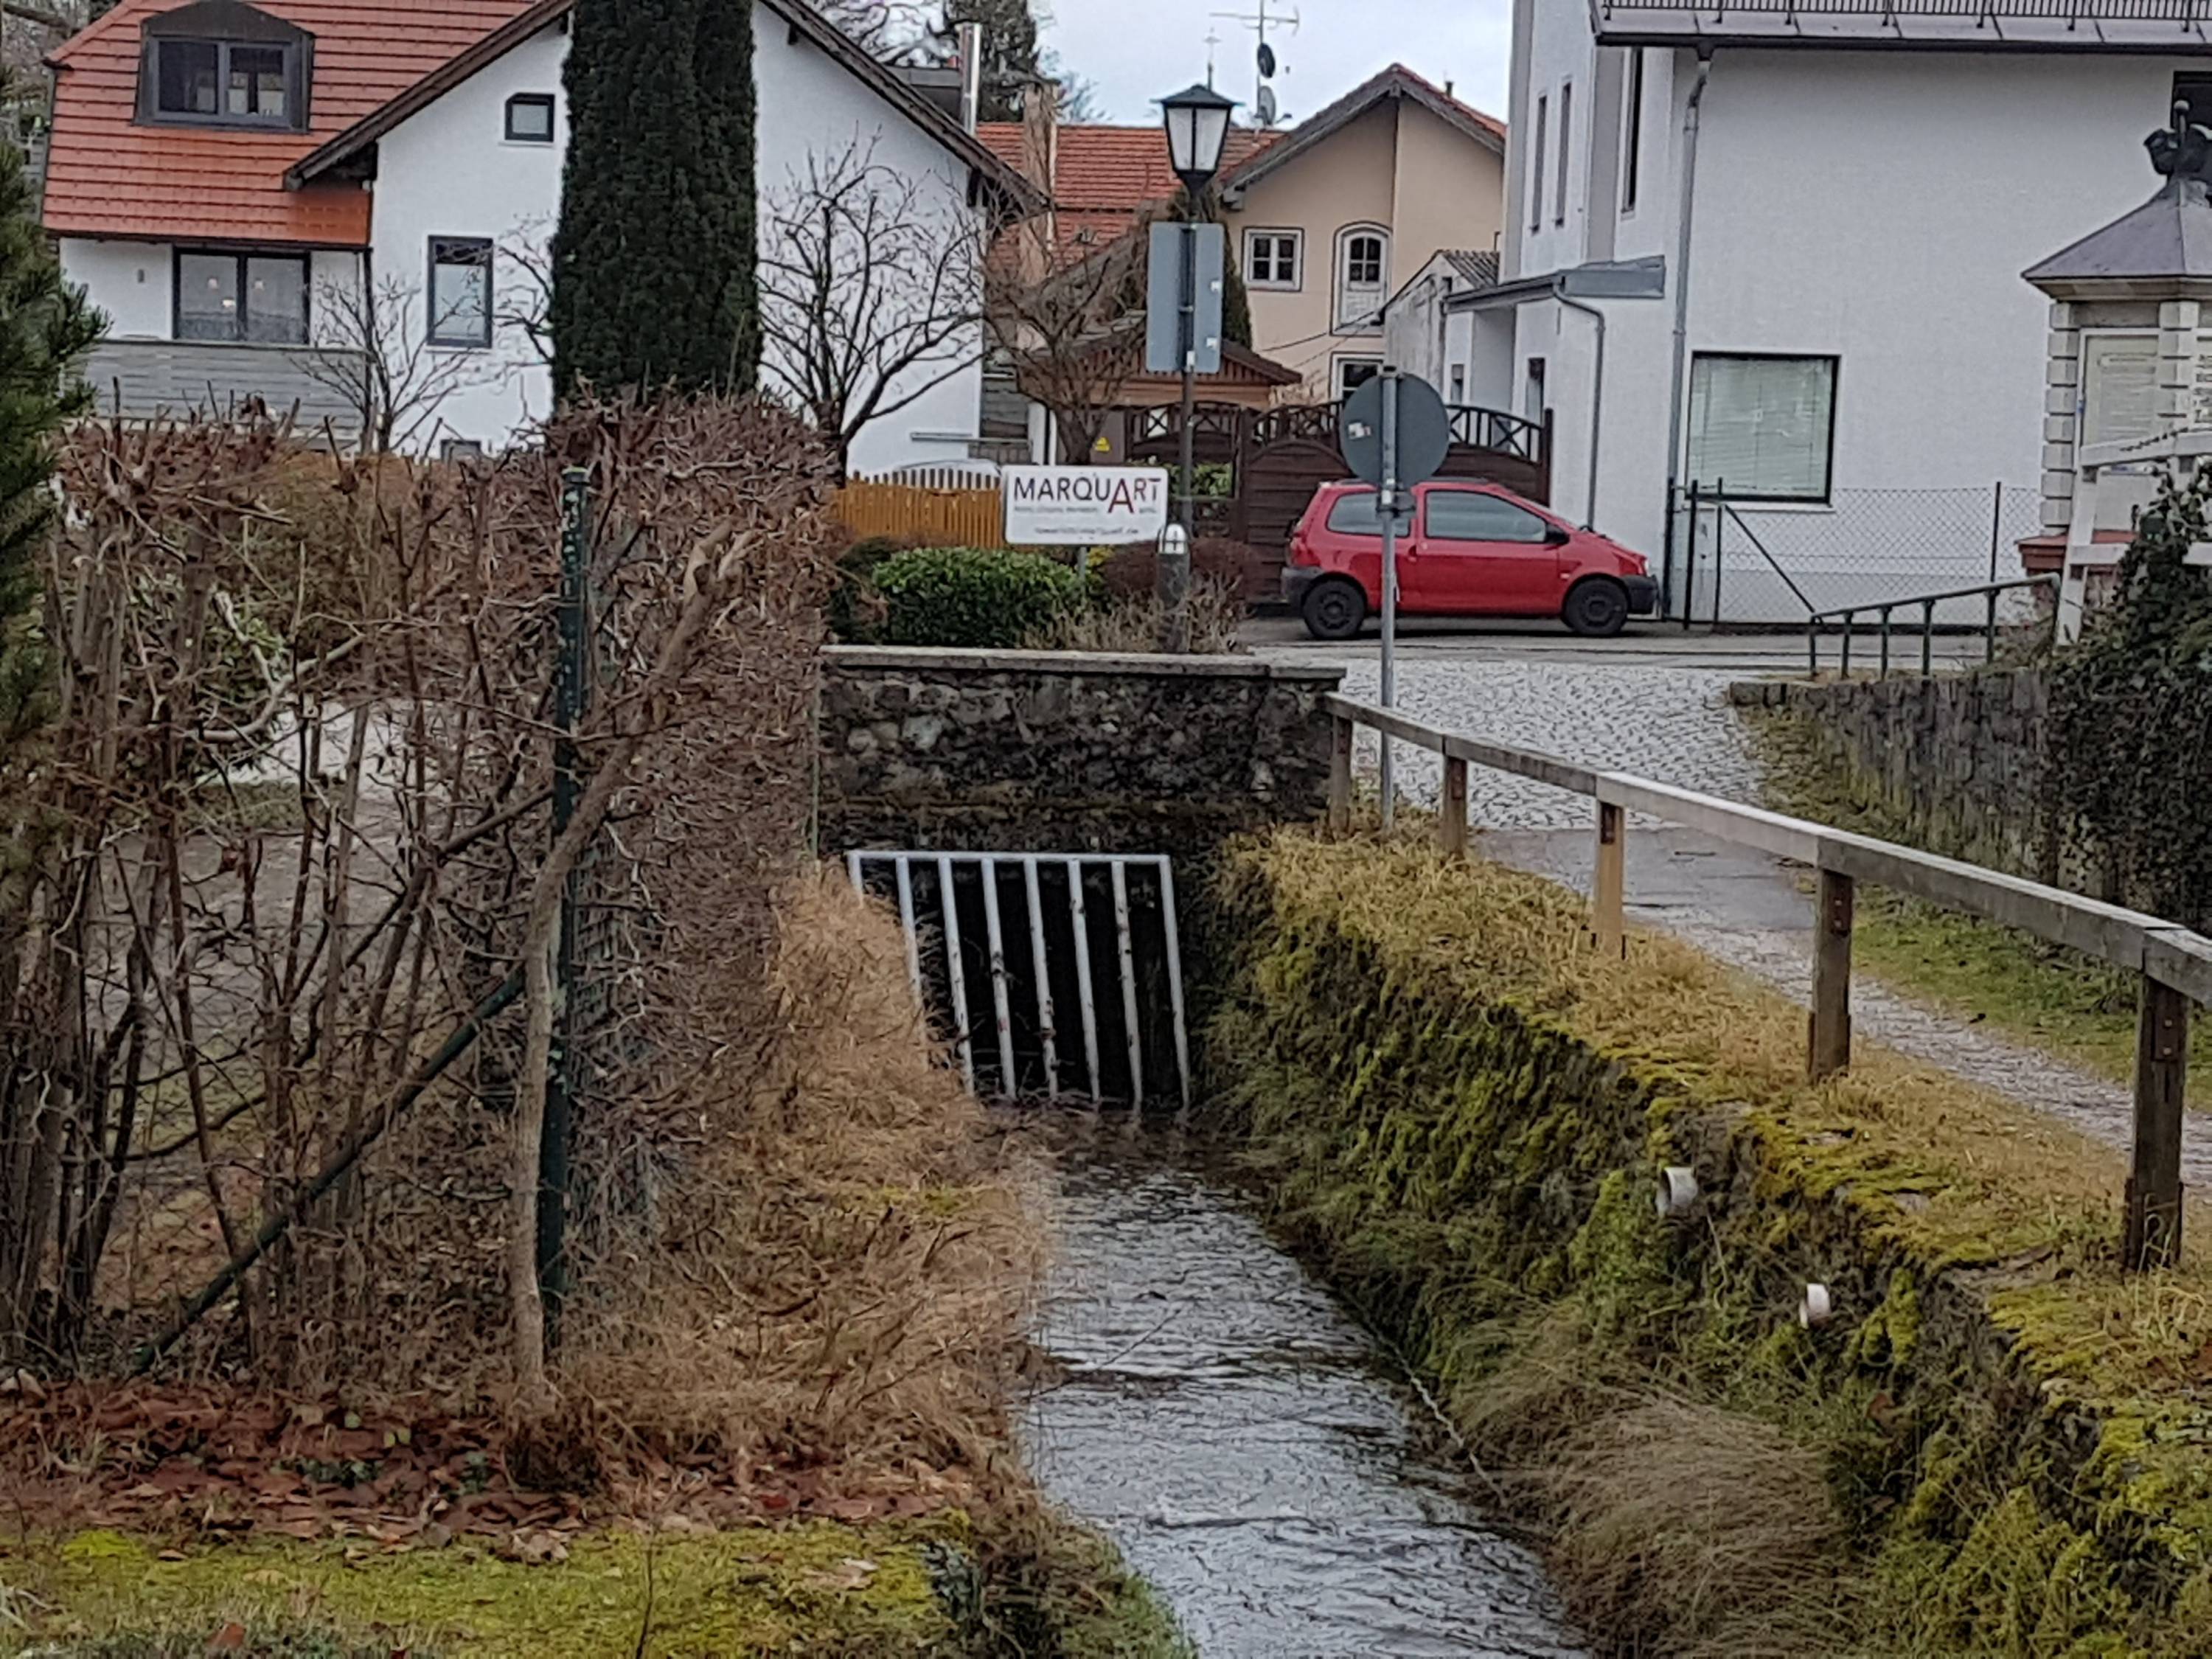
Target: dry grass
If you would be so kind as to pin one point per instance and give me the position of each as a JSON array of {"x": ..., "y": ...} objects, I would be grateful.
[
  {"x": 1132, "y": 624},
  {"x": 845, "y": 1278},
  {"x": 1712, "y": 1528}
]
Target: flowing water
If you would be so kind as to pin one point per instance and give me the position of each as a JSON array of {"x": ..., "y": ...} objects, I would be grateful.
[{"x": 1245, "y": 1442}]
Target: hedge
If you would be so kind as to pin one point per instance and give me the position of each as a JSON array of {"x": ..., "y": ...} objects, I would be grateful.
[{"x": 968, "y": 596}]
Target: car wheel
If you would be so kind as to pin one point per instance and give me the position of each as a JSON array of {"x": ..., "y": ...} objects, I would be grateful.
[
  {"x": 1597, "y": 609},
  {"x": 1333, "y": 610}
]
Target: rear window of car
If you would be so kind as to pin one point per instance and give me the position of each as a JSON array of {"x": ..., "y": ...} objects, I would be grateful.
[{"x": 1357, "y": 514}]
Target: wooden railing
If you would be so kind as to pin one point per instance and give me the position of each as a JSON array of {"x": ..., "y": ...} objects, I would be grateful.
[{"x": 2174, "y": 963}]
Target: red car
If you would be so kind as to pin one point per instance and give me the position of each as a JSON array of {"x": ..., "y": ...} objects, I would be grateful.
[{"x": 1468, "y": 549}]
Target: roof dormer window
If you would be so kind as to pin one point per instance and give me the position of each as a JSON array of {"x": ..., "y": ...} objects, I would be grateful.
[{"x": 221, "y": 63}]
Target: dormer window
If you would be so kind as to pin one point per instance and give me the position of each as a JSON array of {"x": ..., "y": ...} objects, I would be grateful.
[{"x": 221, "y": 63}]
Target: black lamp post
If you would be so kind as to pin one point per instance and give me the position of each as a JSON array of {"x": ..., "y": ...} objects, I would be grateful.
[{"x": 1197, "y": 122}]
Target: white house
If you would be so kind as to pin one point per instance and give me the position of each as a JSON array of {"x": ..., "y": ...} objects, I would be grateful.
[
  {"x": 1774, "y": 249},
  {"x": 255, "y": 192}
]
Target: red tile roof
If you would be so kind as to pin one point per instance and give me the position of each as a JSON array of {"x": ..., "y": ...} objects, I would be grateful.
[
  {"x": 1106, "y": 175},
  {"x": 108, "y": 176}
]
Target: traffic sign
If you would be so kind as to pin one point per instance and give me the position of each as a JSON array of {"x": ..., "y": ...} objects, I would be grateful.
[
  {"x": 1163, "y": 339},
  {"x": 1423, "y": 432}
]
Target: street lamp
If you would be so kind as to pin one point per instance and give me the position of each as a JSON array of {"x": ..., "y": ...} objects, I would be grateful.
[{"x": 1197, "y": 122}]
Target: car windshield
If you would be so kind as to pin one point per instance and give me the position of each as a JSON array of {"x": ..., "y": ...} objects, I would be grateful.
[{"x": 1356, "y": 513}]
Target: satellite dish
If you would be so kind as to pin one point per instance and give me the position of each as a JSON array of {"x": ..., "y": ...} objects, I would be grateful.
[
  {"x": 1267, "y": 106},
  {"x": 1266, "y": 58}
]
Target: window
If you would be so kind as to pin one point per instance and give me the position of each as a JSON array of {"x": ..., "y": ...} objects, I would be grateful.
[
  {"x": 530, "y": 118},
  {"x": 464, "y": 451},
  {"x": 1359, "y": 515},
  {"x": 1458, "y": 385},
  {"x": 1532, "y": 391},
  {"x": 1763, "y": 428},
  {"x": 1469, "y": 516},
  {"x": 260, "y": 298},
  {"x": 2119, "y": 387},
  {"x": 1271, "y": 258},
  {"x": 460, "y": 291},
  {"x": 224, "y": 82},
  {"x": 1566, "y": 136},
  {"x": 1354, "y": 373},
  {"x": 1536, "y": 163},
  {"x": 1362, "y": 272},
  {"x": 1631, "y": 123}
]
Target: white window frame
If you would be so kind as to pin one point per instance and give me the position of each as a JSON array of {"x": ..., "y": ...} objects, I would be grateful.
[
  {"x": 1344, "y": 360},
  {"x": 1736, "y": 490},
  {"x": 1363, "y": 318},
  {"x": 1276, "y": 236}
]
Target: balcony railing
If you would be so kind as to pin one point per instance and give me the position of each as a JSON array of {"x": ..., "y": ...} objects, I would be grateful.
[{"x": 150, "y": 378}]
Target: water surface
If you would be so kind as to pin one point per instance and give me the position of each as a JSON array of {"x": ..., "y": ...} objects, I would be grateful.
[{"x": 1245, "y": 1442}]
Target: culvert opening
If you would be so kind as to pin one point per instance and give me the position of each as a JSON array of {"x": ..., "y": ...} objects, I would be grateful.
[{"x": 1052, "y": 975}]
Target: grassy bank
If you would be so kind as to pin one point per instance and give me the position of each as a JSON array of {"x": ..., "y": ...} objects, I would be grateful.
[
  {"x": 2044, "y": 994},
  {"x": 793, "y": 1433},
  {"x": 1996, "y": 1445}
]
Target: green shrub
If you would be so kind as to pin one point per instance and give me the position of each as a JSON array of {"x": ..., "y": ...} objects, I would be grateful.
[{"x": 969, "y": 596}]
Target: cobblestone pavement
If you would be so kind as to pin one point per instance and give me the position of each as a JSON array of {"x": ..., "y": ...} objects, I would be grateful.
[{"x": 1666, "y": 719}]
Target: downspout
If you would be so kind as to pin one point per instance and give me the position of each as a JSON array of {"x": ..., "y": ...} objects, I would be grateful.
[
  {"x": 1597, "y": 390},
  {"x": 1675, "y": 411}
]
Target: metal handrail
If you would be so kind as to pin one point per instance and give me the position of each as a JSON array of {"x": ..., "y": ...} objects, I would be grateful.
[
  {"x": 1885, "y": 609},
  {"x": 2174, "y": 962}
]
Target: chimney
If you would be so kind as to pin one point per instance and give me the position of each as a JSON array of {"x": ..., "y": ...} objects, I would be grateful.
[
  {"x": 971, "y": 75},
  {"x": 1040, "y": 167}
]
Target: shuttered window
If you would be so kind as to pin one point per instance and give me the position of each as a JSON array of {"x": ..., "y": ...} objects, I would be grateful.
[{"x": 1763, "y": 428}]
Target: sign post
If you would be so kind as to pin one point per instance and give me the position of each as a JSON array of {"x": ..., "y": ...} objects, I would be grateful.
[{"x": 1395, "y": 433}]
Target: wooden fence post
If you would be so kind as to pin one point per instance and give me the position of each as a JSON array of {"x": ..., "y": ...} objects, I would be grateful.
[
  {"x": 1339, "y": 775},
  {"x": 1830, "y": 1035},
  {"x": 1451, "y": 811},
  {"x": 2152, "y": 1237},
  {"x": 1609, "y": 890}
]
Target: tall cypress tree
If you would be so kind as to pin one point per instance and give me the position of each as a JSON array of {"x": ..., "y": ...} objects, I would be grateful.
[
  {"x": 45, "y": 326},
  {"x": 654, "y": 263}
]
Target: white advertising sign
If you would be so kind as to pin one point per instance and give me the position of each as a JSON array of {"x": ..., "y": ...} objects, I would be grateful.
[{"x": 1084, "y": 506}]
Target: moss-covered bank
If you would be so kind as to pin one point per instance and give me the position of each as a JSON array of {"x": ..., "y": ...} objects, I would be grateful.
[
  {"x": 943, "y": 1586},
  {"x": 1997, "y": 1445}
]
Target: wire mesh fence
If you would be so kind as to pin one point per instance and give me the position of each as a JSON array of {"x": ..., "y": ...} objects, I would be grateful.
[{"x": 1734, "y": 561}]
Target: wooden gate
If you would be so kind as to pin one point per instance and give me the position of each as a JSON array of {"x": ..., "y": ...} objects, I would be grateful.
[{"x": 1279, "y": 457}]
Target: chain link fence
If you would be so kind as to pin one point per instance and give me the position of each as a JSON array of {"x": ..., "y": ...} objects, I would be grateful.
[{"x": 1743, "y": 563}]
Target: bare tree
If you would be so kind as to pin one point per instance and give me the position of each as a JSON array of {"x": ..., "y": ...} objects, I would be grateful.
[
  {"x": 871, "y": 285},
  {"x": 524, "y": 304},
  {"x": 890, "y": 31},
  {"x": 372, "y": 347},
  {"x": 1074, "y": 335}
]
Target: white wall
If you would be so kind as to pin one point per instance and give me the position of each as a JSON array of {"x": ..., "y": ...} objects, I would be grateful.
[
  {"x": 1876, "y": 206},
  {"x": 807, "y": 104},
  {"x": 449, "y": 170}
]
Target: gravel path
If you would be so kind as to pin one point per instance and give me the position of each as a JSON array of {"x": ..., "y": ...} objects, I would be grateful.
[{"x": 1672, "y": 723}]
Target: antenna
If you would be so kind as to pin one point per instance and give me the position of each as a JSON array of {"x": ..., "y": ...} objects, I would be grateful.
[
  {"x": 1264, "y": 104},
  {"x": 1212, "y": 41}
]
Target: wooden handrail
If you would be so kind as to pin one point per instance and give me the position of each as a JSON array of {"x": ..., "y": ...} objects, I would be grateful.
[{"x": 2175, "y": 963}]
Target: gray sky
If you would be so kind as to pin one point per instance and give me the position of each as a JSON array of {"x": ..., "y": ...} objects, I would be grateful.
[{"x": 1133, "y": 50}]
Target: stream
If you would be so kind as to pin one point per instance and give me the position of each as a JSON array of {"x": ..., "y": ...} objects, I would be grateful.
[{"x": 1253, "y": 1452}]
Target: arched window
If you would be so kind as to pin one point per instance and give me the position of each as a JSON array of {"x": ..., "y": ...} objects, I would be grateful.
[{"x": 1362, "y": 276}]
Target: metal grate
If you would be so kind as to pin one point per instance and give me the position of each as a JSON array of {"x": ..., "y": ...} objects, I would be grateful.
[{"x": 1008, "y": 1036}]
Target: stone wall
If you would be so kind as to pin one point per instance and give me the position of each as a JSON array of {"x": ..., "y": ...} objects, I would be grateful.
[
  {"x": 1953, "y": 763},
  {"x": 1057, "y": 751}
]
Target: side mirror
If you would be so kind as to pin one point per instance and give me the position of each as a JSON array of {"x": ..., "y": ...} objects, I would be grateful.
[{"x": 1558, "y": 535}]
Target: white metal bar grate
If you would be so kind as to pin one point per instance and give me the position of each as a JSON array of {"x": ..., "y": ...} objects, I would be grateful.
[{"x": 958, "y": 911}]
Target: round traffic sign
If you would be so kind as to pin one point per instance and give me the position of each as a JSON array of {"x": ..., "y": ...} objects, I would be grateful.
[{"x": 1424, "y": 431}]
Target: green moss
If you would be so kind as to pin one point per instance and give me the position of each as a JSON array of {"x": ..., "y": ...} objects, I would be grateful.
[
  {"x": 856, "y": 1591},
  {"x": 1462, "y": 1112}
]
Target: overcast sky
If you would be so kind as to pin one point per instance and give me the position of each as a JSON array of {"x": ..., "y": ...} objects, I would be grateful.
[{"x": 1133, "y": 50}]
